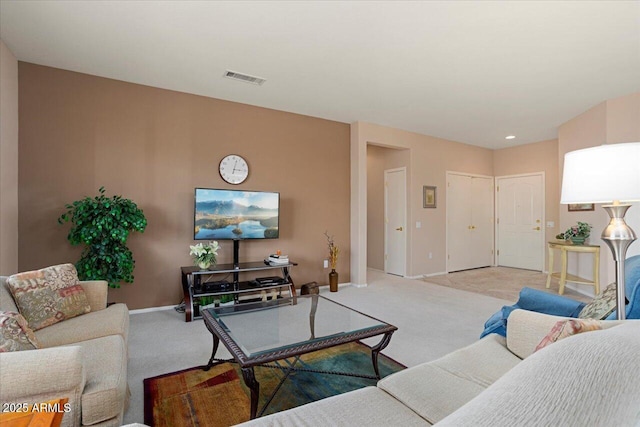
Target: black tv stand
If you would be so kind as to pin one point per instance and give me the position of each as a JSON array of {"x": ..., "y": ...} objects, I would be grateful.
[
  {"x": 198, "y": 283},
  {"x": 236, "y": 253}
]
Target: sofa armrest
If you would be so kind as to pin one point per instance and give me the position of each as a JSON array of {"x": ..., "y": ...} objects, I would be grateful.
[
  {"x": 96, "y": 291},
  {"x": 526, "y": 329},
  {"x": 37, "y": 376}
]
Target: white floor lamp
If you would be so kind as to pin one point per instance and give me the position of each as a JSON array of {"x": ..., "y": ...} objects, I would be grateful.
[{"x": 607, "y": 174}]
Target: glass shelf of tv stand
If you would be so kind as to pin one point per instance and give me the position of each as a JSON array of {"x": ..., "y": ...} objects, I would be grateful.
[
  {"x": 231, "y": 268},
  {"x": 192, "y": 275}
]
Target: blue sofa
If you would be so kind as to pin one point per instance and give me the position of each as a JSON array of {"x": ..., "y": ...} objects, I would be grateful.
[{"x": 547, "y": 303}]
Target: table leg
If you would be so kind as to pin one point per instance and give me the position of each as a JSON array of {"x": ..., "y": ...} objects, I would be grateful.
[
  {"x": 563, "y": 274},
  {"x": 550, "y": 249},
  {"x": 212, "y": 360},
  {"x": 312, "y": 315},
  {"x": 250, "y": 380},
  {"x": 375, "y": 350}
]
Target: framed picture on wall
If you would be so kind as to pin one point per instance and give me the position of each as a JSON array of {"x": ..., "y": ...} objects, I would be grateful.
[
  {"x": 577, "y": 207},
  {"x": 428, "y": 196}
]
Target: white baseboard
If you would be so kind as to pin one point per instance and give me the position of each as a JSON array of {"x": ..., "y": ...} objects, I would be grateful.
[
  {"x": 150, "y": 309},
  {"x": 440, "y": 273},
  {"x": 577, "y": 288}
]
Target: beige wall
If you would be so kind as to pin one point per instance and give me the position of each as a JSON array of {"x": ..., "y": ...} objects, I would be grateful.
[
  {"x": 613, "y": 121},
  {"x": 623, "y": 119},
  {"x": 8, "y": 161},
  {"x": 380, "y": 159},
  {"x": 430, "y": 159},
  {"x": 529, "y": 158},
  {"x": 375, "y": 206},
  {"x": 79, "y": 132}
]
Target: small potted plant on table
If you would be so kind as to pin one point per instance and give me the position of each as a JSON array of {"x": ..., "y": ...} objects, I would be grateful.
[{"x": 577, "y": 233}]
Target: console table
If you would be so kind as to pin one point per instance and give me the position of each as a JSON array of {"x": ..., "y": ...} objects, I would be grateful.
[
  {"x": 198, "y": 283},
  {"x": 564, "y": 277}
]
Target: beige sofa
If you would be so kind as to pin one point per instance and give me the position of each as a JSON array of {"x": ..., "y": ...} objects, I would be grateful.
[
  {"x": 590, "y": 379},
  {"x": 83, "y": 359}
]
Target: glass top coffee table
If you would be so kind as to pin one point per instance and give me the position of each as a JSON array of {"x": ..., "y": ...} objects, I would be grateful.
[{"x": 263, "y": 332}]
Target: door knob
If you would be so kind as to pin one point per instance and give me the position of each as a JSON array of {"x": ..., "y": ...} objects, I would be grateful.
[
  {"x": 399, "y": 229},
  {"x": 537, "y": 228}
]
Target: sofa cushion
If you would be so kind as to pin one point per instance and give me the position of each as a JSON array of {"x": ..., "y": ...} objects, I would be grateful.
[
  {"x": 566, "y": 328},
  {"x": 105, "y": 365},
  {"x": 49, "y": 295},
  {"x": 367, "y": 406},
  {"x": 436, "y": 389},
  {"x": 113, "y": 320},
  {"x": 602, "y": 305},
  {"x": 15, "y": 334},
  {"x": 601, "y": 387}
]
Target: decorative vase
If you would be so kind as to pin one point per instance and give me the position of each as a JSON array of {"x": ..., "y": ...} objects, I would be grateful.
[
  {"x": 333, "y": 280},
  {"x": 204, "y": 265},
  {"x": 578, "y": 240}
]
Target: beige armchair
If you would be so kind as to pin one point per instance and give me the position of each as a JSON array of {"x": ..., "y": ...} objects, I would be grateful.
[{"x": 83, "y": 359}]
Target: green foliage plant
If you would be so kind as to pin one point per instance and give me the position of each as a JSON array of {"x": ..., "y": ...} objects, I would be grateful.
[
  {"x": 583, "y": 229},
  {"x": 103, "y": 225}
]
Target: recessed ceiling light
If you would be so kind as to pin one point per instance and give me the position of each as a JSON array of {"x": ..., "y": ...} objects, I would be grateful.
[{"x": 510, "y": 137}]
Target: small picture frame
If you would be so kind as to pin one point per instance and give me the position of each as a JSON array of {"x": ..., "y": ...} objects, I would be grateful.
[
  {"x": 578, "y": 207},
  {"x": 428, "y": 196}
]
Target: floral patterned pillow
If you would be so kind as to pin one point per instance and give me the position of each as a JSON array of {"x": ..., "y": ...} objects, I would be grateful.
[
  {"x": 566, "y": 328},
  {"x": 15, "y": 334},
  {"x": 47, "y": 296},
  {"x": 602, "y": 305}
]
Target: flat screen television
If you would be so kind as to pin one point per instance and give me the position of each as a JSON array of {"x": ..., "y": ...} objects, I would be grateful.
[{"x": 235, "y": 214}]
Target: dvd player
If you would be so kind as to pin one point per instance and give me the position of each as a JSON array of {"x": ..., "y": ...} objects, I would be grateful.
[
  {"x": 218, "y": 286},
  {"x": 269, "y": 280}
]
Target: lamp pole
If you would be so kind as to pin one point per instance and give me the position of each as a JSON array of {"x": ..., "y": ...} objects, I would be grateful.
[{"x": 618, "y": 236}]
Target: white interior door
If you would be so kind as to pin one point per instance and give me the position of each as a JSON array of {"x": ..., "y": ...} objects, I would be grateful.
[
  {"x": 458, "y": 222},
  {"x": 470, "y": 216},
  {"x": 520, "y": 225},
  {"x": 481, "y": 221},
  {"x": 395, "y": 207}
]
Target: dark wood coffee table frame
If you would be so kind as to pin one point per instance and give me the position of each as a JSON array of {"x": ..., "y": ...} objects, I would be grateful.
[{"x": 248, "y": 363}]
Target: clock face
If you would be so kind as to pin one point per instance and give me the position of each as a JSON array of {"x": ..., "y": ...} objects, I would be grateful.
[{"x": 234, "y": 169}]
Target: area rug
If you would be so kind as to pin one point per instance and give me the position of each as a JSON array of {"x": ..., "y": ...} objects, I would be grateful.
[{"x": 218, "y": 397}]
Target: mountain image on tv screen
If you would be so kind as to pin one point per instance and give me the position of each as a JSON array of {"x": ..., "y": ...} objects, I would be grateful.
[{"x": 231, "y": 214}]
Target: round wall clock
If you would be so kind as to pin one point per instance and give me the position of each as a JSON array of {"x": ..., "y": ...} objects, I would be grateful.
[{"x": 234, "y": 169}]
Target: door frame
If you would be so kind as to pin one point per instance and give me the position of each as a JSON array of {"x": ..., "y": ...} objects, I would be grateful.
[
  {"x": 473, "y": 175},
  {"x": 402, "y": 169},
  {"x": 543, "y": 222}
]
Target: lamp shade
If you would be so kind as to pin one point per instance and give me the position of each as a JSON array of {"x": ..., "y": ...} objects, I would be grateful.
[{"x": 602, "y": 174}]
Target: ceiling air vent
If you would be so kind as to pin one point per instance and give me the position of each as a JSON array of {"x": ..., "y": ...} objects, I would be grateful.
[{"x": 244, "y": 78}]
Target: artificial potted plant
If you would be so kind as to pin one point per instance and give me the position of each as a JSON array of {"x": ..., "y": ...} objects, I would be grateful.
[
  {"x": 333, "y": 260},
  {"x": 577, "y": 233},
  {"x": 103, "y": 225},
  {"x": 205, "y": 255}
]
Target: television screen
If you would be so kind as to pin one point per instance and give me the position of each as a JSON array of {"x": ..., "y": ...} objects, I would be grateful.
[{"x": 235, "y": 214}]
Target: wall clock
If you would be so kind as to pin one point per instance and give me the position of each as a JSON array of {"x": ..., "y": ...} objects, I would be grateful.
[{"x": 234, "y": 169}]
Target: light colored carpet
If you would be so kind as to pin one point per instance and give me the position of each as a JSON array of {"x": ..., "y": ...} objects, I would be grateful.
[
  {"x": 432, "y": 321},
  {"x": 502, "y": 282}
]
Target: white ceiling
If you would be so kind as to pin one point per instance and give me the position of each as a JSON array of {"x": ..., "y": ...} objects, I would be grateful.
[{"x": 469, "y": 71}]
